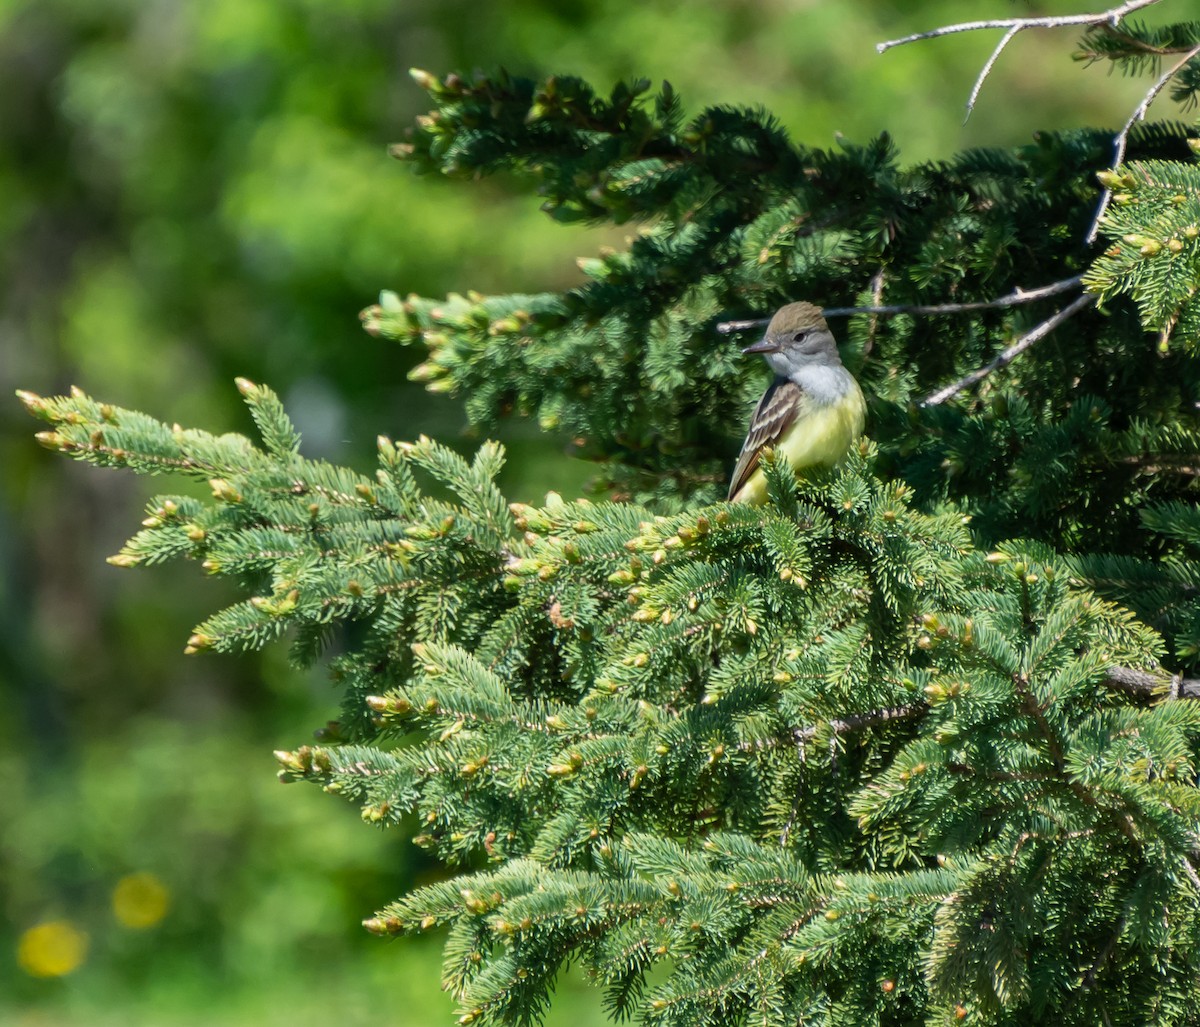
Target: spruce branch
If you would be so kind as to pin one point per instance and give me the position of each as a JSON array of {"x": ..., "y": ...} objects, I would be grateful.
[
  {"x": 1010, "y": 353},
  {"x": 1107, "y": 43},
  {"x": 1122, "y": 138},
  {"x": 1154, "y": 256},
  {"x": 1140, "y": 683},
  {"x": 603, "y": 703},
  {"x": 1190, "y": 869},
  {"x": 1088, "y": 979}
]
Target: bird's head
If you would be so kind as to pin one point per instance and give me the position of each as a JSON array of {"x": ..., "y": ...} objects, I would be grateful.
[{"x": 797, "y": 337}]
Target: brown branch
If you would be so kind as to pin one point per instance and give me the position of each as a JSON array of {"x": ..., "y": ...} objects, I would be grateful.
[
  {"x": 1007, "y": 356},
  {"x": 859, "y": 721},
  {"x": 1147, "y": 685},
  {"x": 1160, "y": 463},
  {"x": 842, "y": 726}
]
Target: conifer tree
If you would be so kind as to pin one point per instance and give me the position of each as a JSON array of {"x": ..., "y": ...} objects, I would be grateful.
[{"x": 910, "y": 744}]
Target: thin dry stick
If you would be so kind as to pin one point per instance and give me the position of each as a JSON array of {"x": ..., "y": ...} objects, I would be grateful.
[
  {"x": 1122, "y": 138},
  {"x": 1014, "y": 298},
  {"x": 1007, "y": 356},
  {"x": 1014, "y": 26},
  {"x": 1112, "y": 16},
  {"x": 1008, "y": 37}
]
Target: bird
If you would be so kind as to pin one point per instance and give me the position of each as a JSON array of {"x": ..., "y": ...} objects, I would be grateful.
[{"x": 811, "y": 412}]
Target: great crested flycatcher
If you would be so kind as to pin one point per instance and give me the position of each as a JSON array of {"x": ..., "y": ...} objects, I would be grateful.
[{"x": 810, "y": 413}]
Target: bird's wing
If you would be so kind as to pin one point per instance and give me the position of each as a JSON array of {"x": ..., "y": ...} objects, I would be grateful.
[{"x": 775, "y": 412}]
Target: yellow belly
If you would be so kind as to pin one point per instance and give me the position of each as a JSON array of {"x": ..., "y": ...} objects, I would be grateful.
[{"x": 819, "y": 438}]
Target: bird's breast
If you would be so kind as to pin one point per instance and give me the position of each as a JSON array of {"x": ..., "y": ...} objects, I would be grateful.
[
  {"x": 820, "y": 436},
  {"x": 824, "y": 431}
]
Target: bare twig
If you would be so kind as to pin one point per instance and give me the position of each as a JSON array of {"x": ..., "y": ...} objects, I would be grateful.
[
  {"x": 1014, "y": 26},
  {"x": 1008, "y": 37},
  {"x": 1007, "y": 356},
  {"x": 1122, "y": 138},
  {"x": 1012, "y": 299},
  {"x": 1112, "y": 16}
]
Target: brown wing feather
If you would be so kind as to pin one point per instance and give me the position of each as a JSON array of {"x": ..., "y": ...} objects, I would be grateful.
[{"x": 772, "y": 417}]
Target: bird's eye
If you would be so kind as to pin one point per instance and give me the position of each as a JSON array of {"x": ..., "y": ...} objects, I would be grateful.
[{"x": 800, "y": 336}]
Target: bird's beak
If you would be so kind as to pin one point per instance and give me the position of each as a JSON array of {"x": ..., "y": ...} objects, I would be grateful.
[{"x": 764, "y": 345}]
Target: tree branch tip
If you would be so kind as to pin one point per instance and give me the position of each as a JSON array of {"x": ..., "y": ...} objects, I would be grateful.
[{"x": 34, "y": 404}]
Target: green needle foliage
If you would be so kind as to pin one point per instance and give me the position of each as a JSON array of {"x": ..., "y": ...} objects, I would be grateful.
[
  {"x": 1156, "y": 217},
  {"x": 887, "y": 750}
]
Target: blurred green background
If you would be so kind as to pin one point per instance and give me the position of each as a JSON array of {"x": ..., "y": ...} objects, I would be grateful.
[{"x": 193, "y": 191}]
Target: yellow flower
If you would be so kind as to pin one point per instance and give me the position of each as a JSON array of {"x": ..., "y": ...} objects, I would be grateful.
[
  {"x": 52, "y": 949},
  {"x": 140, "y": 900}
]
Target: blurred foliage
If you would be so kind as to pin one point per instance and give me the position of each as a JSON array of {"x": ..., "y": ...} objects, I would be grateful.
[{"x": 194, "y": 191}]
